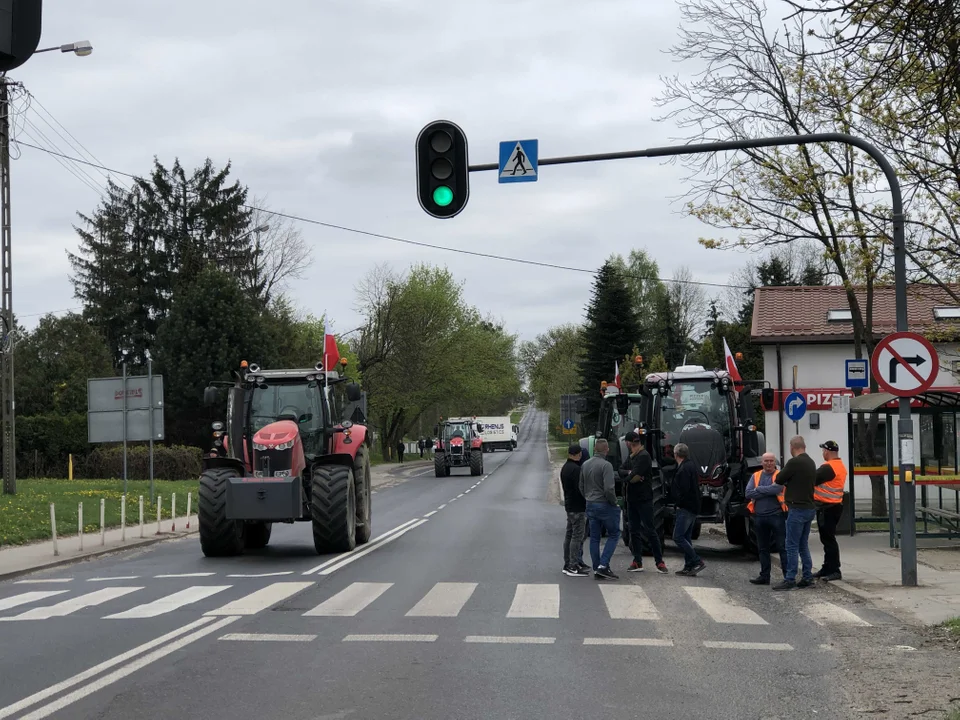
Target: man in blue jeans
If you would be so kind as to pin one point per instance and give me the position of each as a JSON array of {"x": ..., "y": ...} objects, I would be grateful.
[
  {"x": 686, "y": 497},
  {"x": 598, "y": 486},
  {"x": 799, "y": 476}
]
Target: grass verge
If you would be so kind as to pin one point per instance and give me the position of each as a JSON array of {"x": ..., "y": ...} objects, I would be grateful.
[
  {"x": 25, "y": 517},
  {"x": 953, "y": 627}
]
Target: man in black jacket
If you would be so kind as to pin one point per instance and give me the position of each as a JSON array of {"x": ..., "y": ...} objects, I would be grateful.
[
  {"x": 576, "y": 506},
  {"x": 686, "y": 496},
  {"x": 799, "y": 476},
  {"x": 637, "y": 471}
]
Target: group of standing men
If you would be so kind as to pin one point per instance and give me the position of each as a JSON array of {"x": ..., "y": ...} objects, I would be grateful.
[
  {"x": 589, "y": 489},
  {"x": 783, "y": 503}
]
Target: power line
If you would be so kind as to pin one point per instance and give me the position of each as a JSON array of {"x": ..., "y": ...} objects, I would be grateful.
[{"x": 406, "y": 241}]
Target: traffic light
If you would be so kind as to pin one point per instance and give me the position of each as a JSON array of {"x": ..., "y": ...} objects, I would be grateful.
[
  {"x": 443, "y": 178},
  {"x": 19, "y": 32}
]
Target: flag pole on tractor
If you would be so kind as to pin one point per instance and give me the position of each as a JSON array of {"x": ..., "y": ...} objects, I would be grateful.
[
  {"x": 330, "y": 349},
  {"x": 731, "y": 364},
  {"x": 616, "y": 374}
]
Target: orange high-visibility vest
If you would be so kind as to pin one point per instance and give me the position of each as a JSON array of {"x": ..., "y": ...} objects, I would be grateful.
[
  {"x": 831, "y": 492},
  {"x": 756, "y": 483}
]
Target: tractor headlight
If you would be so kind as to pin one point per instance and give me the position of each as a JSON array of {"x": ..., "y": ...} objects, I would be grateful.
[
  {"x": 258, "y": 446},
  {"x": 284, "y": 446}
]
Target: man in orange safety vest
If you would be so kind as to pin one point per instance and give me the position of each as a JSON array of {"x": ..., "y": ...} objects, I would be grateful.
[
  {"x": 769, "y": 513},
  {"x": 828, "y": 495}
]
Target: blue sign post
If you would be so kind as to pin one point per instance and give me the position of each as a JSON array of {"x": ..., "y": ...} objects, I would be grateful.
[
  {"x": 795, "y": 406},
  {"x": 857, "y": 374},
  {"x": 568, "y": 424},
  {"x": 518, "y": 161}
]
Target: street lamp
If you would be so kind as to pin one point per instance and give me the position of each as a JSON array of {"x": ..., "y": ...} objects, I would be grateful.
[{"x": 81, "y": 48}]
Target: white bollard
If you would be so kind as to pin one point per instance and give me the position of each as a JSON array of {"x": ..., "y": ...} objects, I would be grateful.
[
  {"x": 123, "y": 518},
  {"x": 80, "y": 523},
  {"x": 103, "y": 529},
  {"x": 53, "y": 529},
  {"x": 173, "y": 512},
  {"x": 189, "y": 498},
  {"x": 159, "y": 509},
  {"x": 141, "y": 516}
]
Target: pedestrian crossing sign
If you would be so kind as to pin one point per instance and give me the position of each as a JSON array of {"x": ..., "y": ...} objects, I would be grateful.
[{"x": 518, "y": 161}]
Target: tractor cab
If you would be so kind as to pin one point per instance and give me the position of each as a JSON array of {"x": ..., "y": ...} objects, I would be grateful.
[{"x": 459, "y": 444}]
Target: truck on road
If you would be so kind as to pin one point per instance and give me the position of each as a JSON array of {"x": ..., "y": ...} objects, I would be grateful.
[{"x": 498, "y": 433}]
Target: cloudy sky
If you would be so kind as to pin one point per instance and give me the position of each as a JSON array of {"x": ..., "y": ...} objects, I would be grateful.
[{"x": 317, "y": 104}]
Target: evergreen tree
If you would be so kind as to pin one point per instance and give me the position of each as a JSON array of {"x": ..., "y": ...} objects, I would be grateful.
[{"x": 612, "y": 330}]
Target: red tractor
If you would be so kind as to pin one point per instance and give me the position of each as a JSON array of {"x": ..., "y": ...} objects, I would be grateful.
[
  {"x": 459, "y": 444},
  {"x": 300, "y": 461}
]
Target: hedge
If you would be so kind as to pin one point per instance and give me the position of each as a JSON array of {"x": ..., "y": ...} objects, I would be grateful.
[{"x": 44, "y": 443}]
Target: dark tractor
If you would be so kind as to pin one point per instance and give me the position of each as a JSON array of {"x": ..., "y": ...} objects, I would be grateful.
[
  {"x": 702, "y": 409},
  {"x": 459, "y": 444},
  {"x": 285, "y": 453}
]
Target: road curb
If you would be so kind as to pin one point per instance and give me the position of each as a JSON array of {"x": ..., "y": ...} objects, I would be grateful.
[
  {"x": 862, "y": 594},
  {"x": 60, "y": 562}
]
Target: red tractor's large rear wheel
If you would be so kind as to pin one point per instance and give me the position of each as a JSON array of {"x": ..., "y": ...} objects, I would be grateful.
[
  {"x": 364, "y": 490},
  {"x": 219, "y": 537},
  {"x": 333, "y": 509}
]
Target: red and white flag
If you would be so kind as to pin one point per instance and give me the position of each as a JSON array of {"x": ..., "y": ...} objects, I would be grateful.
[
  {"x": 731, "y": 365},
  {"x": 616, "y": 374},
  {"x": 331, "y": 353}
]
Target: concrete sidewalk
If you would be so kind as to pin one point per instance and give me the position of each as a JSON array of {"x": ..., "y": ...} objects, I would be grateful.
[
  {"x": 871, "y": 570},
  {"x": 22, "y": 559}
]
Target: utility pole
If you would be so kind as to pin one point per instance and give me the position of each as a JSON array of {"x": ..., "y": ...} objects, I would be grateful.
[{"x": 6, "y": 313}]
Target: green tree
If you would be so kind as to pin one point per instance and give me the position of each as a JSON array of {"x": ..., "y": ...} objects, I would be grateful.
[
  {"x": 53, "y": 363},
  {"x": 642, "y": 275},
  {"x": 611, "y": 331},
  {"x": 212, "y": 326},
  {"x": 552, "y": 368}
]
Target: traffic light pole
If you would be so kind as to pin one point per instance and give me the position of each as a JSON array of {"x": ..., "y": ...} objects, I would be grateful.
[
  {"x": 6, "y": 290},
  {"x": 908, "y": 498}
]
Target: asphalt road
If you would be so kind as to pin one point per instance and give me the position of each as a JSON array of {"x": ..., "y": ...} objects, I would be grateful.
[{"x": 456, "y": 609}]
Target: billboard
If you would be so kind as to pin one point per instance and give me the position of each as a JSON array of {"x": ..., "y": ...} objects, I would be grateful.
[{"x": 111, "y": 407}]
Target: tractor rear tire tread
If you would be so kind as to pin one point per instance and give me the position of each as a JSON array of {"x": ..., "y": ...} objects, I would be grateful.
[
  {"x": 364, "y": 489},
  {"x": 219, "y": 537},
  {"x": 440, "y": 466},
  {"x": 333, "y": 509},
  {"x": 476, "y": 463}
]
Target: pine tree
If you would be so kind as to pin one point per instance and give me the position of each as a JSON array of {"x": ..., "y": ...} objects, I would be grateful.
[{"x": 611, "y": 332}]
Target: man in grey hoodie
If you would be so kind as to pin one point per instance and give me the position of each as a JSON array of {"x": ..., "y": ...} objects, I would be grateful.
[{"x": 598, "y": 485}]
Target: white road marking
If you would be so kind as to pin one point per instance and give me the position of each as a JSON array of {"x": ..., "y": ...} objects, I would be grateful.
[
  {"x": 170, "y": 602},
  {"x": 535, "y": 601},
  {"x": 451, "y": 500},
  {"x": 262, "y": 575},
  {"x": 467, "y": 491},
  {"x": 390, "y": 638},
  {"x": 97, "y": 669},
  {"x": 444, "y": 600},
  {"x": 349, "y": 601},
  {"x": 261, "y": 599},
  {"x": 351, "y": 558},
  {"x": 186, "y": 575},
  {"x": 510, "y": 639},
  {"x": 474, "y": 485},
  {"x": 29, "y": 597},
  {"x": 730, "y": 645},
  {"x": 266, "y": 637},
  {"x": 442, "y": 506},
  {"x": 70, "y": 606},
  {"x": 628, "y": 602},
  {"x": 360, "y": 548},
  {"x": 721, "y": 607},
  {"x": 825, "y": 613},
  {"x": 460, "y": 495},
  {"x": 42, "y": 582},
  {"x": 643, "y": 642},
  {"x": 123, "y": 672},
  {"x": 110, "y": 579},
  {"x": 431, "y": 513}
]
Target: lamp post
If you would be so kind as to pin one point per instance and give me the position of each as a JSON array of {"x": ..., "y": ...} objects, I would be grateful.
[{"x": 82, "y": 48}]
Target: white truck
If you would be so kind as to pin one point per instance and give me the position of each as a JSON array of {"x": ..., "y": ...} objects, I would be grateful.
[{"x": 497, "y": 433}]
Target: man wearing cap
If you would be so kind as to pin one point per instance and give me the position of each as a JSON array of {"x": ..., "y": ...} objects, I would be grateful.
[
  {"x": 828, "y": 495},
  {"x": 637, "y": 471},
  {"x": 576, "y": 506}
]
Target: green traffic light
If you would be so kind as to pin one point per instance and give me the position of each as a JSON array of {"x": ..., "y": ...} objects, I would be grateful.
[{"x": 443, "y": 196}]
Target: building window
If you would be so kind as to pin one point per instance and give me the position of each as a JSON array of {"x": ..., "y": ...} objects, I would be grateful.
[
  {"x": 839, "y": 316},
  {"x": 947, "y": 313}
]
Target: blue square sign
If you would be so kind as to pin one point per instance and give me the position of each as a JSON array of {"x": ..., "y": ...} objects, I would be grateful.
[
  {"x": 857, "y": 374},
  {"x": 519, "y": 161}
]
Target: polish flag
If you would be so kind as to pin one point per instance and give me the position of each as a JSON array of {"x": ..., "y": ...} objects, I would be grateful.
[
  {"x": 732, "y": 366},
  {"x": 331, "y": 353},
  {"x": 616, "y": 373}
]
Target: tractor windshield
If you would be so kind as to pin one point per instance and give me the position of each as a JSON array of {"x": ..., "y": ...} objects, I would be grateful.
[
  {"x": 694, "y": 402},
  {"x": 300, "y": 402},
  {"x": 458, "y": 430}
]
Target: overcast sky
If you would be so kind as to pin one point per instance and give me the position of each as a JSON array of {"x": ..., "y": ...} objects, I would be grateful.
[{"x": 318, "y": 103}]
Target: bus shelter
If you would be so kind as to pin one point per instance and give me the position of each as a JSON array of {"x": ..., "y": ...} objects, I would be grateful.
[{"x": 936, "y": 474}]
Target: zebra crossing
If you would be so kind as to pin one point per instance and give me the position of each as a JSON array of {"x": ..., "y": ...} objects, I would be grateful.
[{"x": 527, "y": 601}]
